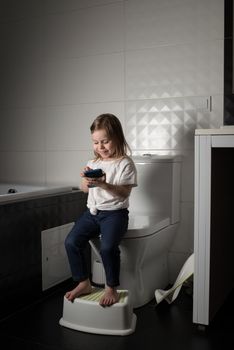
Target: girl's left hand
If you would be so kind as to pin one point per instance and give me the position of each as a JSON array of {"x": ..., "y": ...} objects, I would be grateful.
[{"x": 97, "y": 181}]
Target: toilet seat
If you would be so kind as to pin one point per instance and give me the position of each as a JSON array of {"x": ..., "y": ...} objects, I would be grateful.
[{"x": 145, "y": 225}]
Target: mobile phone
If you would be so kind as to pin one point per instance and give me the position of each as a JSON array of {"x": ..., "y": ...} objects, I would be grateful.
[{"x": 93, "y": 173}]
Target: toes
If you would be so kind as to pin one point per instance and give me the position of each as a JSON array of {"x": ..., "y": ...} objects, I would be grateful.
[
  {"x": 67, "y": 295},
  {"x": 107, "y": 301}
]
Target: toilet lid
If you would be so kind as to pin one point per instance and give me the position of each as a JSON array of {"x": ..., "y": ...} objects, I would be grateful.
[{"x": 143, "y": 225}]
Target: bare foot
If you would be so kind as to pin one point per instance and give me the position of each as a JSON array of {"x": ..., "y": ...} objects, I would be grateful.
[
  {"x": 110, "y": 297},
  {"x": 82, "y": 288}
]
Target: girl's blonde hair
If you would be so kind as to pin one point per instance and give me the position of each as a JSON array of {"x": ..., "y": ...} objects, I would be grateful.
[{"x": 111, "y": 124}]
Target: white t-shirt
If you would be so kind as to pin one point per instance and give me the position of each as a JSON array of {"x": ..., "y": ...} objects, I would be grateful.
[{"x": 118, "y": 172}]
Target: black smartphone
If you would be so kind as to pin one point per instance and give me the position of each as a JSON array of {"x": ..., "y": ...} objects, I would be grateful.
[{"x": 94, "y": 173}]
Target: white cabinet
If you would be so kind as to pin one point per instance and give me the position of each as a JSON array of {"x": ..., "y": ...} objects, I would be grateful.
[
  {"x": 213, "y": 221},
  {"x": 55, "y": 266}
]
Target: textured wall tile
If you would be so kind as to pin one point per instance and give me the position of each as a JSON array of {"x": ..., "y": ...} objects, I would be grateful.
[
  {"x": 175, "y": 71},
  {"x": 169, "y": 123}
]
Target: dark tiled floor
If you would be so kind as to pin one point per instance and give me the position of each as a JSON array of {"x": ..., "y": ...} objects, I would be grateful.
[{"x": 163, "y": 327}]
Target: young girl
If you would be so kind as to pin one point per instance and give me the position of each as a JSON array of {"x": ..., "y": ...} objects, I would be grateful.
[{"x": 107, "y": 214}]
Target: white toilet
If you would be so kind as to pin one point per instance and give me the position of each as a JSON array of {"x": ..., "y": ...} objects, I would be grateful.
[{"x": 154, "y": 214}]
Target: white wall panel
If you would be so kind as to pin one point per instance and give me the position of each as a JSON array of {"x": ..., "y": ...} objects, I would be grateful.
[
  {"x": 68, "y": 127},
  {"x": 23, "y": 167},
  {"x": 24, "y": 129},
  {"x": 153, "y": 23},
  {"x": 65, "y": 167},
  {"x": 88, "y": 79},
  {"x": 15, "y": 9},
  {"x": 71, "y": 5},
  {"x": 23, "y": 39},
  {"x": 22, "y": 82},
  {"x": 86, "y": 32}
]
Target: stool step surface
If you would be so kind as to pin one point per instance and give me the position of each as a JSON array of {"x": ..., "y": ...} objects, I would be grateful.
[
  {"x": 87, "y": 315},
  {"x": 97, "y": 293}
]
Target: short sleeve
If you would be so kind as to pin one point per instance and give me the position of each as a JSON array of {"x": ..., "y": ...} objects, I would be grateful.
[{"x": 128, "y": 174}]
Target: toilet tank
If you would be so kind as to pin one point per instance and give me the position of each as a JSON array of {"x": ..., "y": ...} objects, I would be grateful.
[{"x": 158, "y": 190}]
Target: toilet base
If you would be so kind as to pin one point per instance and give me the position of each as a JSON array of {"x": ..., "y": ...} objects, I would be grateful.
[
  {"x": 86, "y": 315},
  {"x": 144, "y": 265}
]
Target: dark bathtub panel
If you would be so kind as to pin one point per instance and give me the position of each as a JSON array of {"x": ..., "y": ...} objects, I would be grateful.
[{"x": 21, "y": 224}]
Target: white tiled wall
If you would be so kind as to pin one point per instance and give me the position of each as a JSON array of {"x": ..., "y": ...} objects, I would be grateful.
[{"x": 157, "y": 65}]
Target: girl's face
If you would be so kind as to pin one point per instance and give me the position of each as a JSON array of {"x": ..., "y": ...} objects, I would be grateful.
[{"x": 102, "y": 144}]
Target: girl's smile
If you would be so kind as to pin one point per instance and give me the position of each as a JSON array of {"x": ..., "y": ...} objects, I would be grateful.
[{"x": 102, "y": 145}]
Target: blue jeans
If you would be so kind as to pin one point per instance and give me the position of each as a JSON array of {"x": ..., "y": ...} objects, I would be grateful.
[{"x": 111, "y": 225}]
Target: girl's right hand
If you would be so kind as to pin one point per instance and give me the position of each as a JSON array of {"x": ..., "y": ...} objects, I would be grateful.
[{"x": 85, "y": 180}]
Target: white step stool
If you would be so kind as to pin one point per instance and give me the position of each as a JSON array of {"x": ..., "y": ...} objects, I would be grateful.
[{"x": 86, "y": 315}]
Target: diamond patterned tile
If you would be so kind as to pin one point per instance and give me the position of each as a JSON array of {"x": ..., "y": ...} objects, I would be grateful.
[
  {"x": 169, "y": 124},
  {"x": 175, "y": 71}
]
